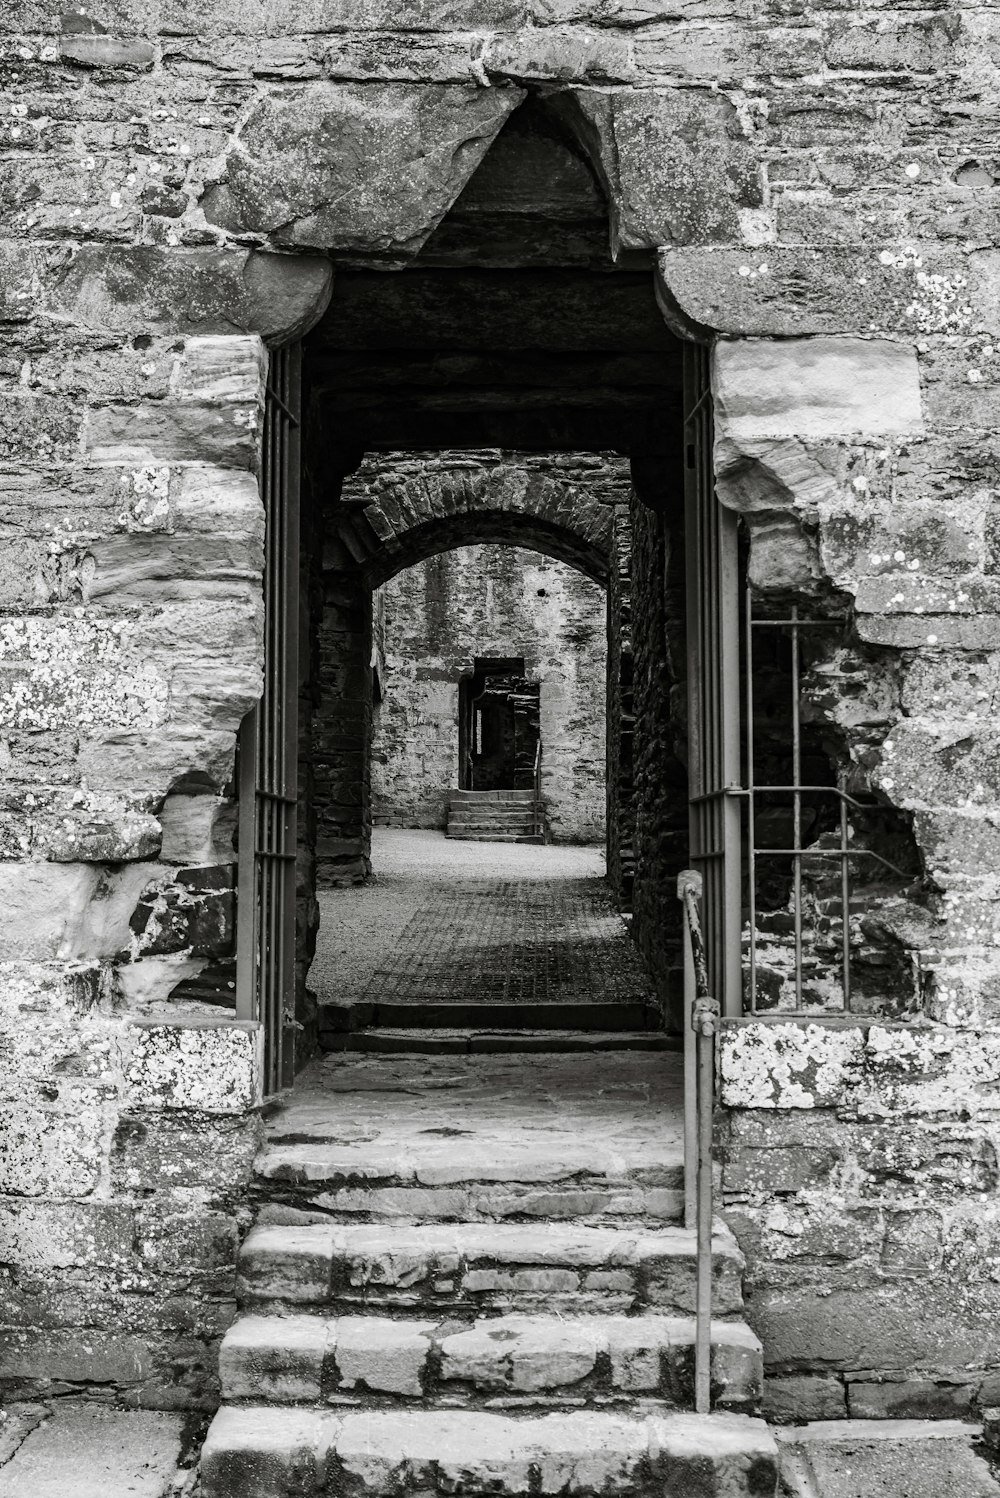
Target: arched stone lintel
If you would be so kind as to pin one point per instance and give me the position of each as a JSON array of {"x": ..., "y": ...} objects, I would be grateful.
[{"x": 498, "y": 526}]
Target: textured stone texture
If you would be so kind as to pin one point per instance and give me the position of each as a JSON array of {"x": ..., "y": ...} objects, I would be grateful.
[
  {"x": 490, "y": 601},
  {"x": 261, "y": 1453}
]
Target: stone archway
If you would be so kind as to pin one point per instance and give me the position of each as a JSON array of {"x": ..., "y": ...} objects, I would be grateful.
[{"x": 393, "y": 513}]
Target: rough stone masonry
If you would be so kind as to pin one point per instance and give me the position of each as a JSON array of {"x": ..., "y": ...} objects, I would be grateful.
[{"x": 178, "y": 184}]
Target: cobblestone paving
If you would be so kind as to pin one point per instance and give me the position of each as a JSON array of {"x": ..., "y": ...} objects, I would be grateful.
[{"x": 447, "y": 920}]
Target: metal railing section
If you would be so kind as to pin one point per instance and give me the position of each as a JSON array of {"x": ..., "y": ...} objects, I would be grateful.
[
  {"x": 797, "y": 790},
  {"x": 539, "y": 814},
  {"x": 701, "y": 1023},
  {"x": 268, "y": 749}
]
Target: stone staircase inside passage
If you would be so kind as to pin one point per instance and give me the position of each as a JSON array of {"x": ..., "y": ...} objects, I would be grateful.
[{"x": 470, "y": 1274}]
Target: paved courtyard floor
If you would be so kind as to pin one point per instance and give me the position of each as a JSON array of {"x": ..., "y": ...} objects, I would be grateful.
[{"x": 486, "y": 922}]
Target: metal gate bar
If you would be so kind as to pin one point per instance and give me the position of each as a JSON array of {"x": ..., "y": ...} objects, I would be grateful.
[
  {"x": 713, "y": 666},
  {"x": 268, "y": 748}
]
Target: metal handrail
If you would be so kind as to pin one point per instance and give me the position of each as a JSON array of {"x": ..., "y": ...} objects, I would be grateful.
[
  {"x": 701, "y": 1022},
  {"x": 539, "y": 819}
]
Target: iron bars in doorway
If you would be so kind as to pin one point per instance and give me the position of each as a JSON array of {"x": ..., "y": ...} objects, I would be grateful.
[{"x": 268, "y": 748}]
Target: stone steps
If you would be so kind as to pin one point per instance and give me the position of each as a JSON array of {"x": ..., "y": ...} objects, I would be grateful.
[
  {"x": 491, "y": 798},
  {"x": 267, "y": 1452},
  {"x": 510, "y": 1361},
  {"x": 493, "y": 836},
  {"x": 473, "y": 1040},
  {"x": 432, "y": 1268},
  {"x": 317, "y": 1181},
  {"x": 496, "y": 817}
]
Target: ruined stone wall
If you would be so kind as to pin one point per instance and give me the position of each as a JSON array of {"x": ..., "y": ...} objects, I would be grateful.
[
  {"x": 129, "y": 652},
  {"x": 859, "y": 1154},
  {"x": 825, "y": 187},
  {"x": 620, "y": 787},
  {"x": 659, "y": 776},
  {"x": 491, "y": 601}
]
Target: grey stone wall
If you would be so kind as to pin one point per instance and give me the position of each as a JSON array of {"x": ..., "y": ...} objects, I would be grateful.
[
  {"x": 659, "y": 775},
  {"x": 620, "y": 788},
  {"x": 491, "y": 601},
  {"x": 823, "y": 189}
]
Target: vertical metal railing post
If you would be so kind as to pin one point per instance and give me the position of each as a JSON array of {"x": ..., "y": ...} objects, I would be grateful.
[
  {"x": 701, "y": 1022},
  {"x": 713, "y": 681}
]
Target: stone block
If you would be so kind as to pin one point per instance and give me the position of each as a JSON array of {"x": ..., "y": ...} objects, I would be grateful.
[
  {"x": 904, "y": 1323},
  {"x": 765, "y": 1065},
  {"x": 419, "y": 143},
  {"x": 49, "y": 1151},
  {"x": 521, "y": 1353},
  {"x": 381, "y": 1356},
  {"x": 186, "y": 1149},
  {"x": 258, "y": 1452},
  {"x": 74, "y": 1355},
  {"x": 677, "y": 167},
  {"x": 97, "y": 51},
  {"x": 210, "y": 1066},
  {"x": 173, "y": 432},
  {"x": 781, "y": 291},
  {"x": 793, "y": 1399},
  {"x": 121, "y": 288},
  {"x": 275, "y": 1359},
  {"x": 817, "y": 388},
  {"x": 902, "y": 1398},
  {"x": 216, "y": 368}
]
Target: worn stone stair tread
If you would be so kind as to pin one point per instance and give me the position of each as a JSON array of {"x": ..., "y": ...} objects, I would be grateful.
[
  {"x": 424, "y": 1266},
  {"x": 261, "y": 1451},
  {"x": 450, "y": 1161},
  {"x": 305, "y": 1359},
  {"x": 891, "y": 1458},
  {"x": 470, "y": 1040}
]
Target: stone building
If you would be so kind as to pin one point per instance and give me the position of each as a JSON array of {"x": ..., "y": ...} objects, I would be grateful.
[
  {"x": 747, "y": 263},
  {"x": 491, "y": 604}
]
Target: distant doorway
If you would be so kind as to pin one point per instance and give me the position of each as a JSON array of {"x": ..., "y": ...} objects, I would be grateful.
[{"x": 499, "y": 727}]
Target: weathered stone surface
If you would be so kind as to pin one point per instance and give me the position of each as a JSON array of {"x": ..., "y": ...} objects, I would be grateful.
[
  {"x": 71, "y": 910},
  {"x": 208, "y": 1065},
  {"x": 675, "y": 165},
  {"x": 385, "y": 1357},
  {"x": 781, "y": 291},
  {"x": 791, "y": 1399},
  {"x": 815, "y": 388},
  {"x": 183, "y": 1147},
  {"x": 789, "y": 1066},
  {"x": 921, "y": 1459},
  {"x": 254, "y": 1451},
  {"x": 394, "y": 158},
  {"x": 95, "y": 51},
  {"x": 198, "y": 291},
  {"x": 96, "y": 1452}
]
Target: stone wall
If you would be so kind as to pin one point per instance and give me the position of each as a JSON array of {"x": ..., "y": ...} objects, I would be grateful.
[
  {"x": 660, "y": 777},
  {"x": 491, "y": 601},
  {"x": 823, "y": 187},
  {"x": 620, "y": 788},
  {"x": 860, "y": 1173},
  {"x": 129, "y": 651},
  {"x": 859, "y": 1155}
]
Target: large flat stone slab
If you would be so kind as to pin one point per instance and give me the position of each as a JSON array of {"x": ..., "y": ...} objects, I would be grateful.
[
  {"x": 524, "y": 1359},
  {"x": 260, "y": 1452},
  {"x": 884, "y": 1459},
  {"x": 590, "y": 1136},
  {"x": 89, "y": 1451},
  {"x": 489, "y": 1266}
]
